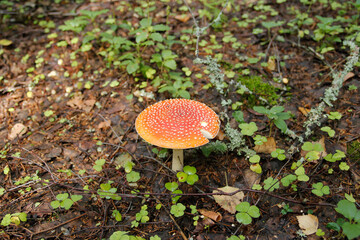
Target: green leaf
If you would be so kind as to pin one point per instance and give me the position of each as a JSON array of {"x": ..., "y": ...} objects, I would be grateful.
[
  {"x": 191, "y": 179},
  {"x": 351, "y": 230},
  {"x": 156, "y": 37},
  {"x": 184, "y": 94},
  {"x": 254, "y": 159},
  {"x": 254, "y": 211},
  {"x": 287, "y": 180},
  {"x": 171, "y": 64},
  {"x": 142, "y": 36},
  {"x": 243, "y": 218},
  {"x": 55, "y": 204},
  {"x": 76, "y": 198},
  {"x": 281, "y": 124},
  {"x": 62, "y": 196},
  {"x": 177, "y": 210},
  {"x": 261, "y": 109},
  {"x": 67, "y": 203},
  {"x": 161, "y": 27},
  {"x": 132, "y": 67},
  {"x": 271, "y": 184},
  {"x": 145, "y": 22},
  {"x": 347, "y": 208},
  {"x": 189, "y": 170},
  {"x": 238, "y": 116},
  {"x": 248, "y": 128},
  {"x": 171, "y": 186},
  {"x": 133, "y": 176},
  {"x": 243, "y": 207}
]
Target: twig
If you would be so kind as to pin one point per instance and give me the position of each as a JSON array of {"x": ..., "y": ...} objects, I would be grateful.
[
  {"x": 172, "y": 218},
  {"x": 59, "y": 225}
]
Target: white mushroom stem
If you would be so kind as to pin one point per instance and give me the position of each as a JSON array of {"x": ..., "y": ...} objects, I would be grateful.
[{"x": 178, "y": 160}]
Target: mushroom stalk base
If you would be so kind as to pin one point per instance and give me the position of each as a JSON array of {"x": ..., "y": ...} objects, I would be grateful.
[{"x": 178, "y": 160}]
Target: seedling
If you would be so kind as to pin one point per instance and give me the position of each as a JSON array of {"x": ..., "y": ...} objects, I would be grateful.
[
  {"x": 276, "y": 116},
  {"x": 63, "y": 201},
  {"x": 300, "y": 173},
  {"x": 319, "y": 189},
  {"x": 246, "y": 213},
  {"x": 177, "y": 210},
  {"x": 313, "y": 150},
  {"x": 248, "y": 128},
  {"x": 334, "y": 115},
  {"x": 330, "y": 132},
  {"x": 15, "y": 218},
  {"x": 106, "y": 191},
  {"x": 279, "y": 154},
  {"x": 286, "y": 209},
  {"x": 141, "y": 217},
  {"x": 188, "y": 175},
  {"x": 271, "y": 184},
  {"x": 335, "y": 157},
  {"x": 259, "y": 140}
]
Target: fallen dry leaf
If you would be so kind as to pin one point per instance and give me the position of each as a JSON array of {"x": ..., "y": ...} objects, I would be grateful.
[
  {"x": 211, "y": 214},
  {"x": 271, "y": 64},
  {"x": 308, "y": 223},
  {"x": 229, "y": 202},
  {"x": 304, "y": 111},
  {"x": 348, "y": 76},
  {"x": 266, "y": 147},
  {"x": 18, "y": 129},
  {"x": 78, "y": 102},
  {"x": 183, "y": 17},
  {"x": 251, "y": 177}
]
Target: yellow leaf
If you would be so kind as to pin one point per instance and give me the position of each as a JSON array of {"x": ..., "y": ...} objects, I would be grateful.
[
  {"x": 5, "y": 42},
  {"x": 308, "y": 223},
  {"x": 229, "y": 202}
]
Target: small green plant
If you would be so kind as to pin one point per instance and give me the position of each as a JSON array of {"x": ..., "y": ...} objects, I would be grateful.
[
  {"x": 248, "y": 128},
  {"x": 286, "y": 209},
  {"x": 276, "y": 116},
  {"x": 259, "y": 140},
  {"x": 246, "y": 213},
  {"x": 106, "y": 191},
  {"x": 319, "y": 189},
  {"x": 188, "y": 175},
  {"x": 15, "y": 218},
  {"x": 329, "y": 131},
  {"x": 334, "y": 115},
  {"x": 271, "y": 184},
  {"x": 279, "y": 154},
  {"x": 217, "y": 147},
  {"x": 288, "y": 179},
  {"x": 337, "y": 156},
  {"x": 99, "y": 164},
  {"x": 63, "y": 201},
  {"x": 301, "y": 175},
  {"x": 141, "y": 217},
  {"x": 173, "y": 187},
  {"x": 177, "y": 210},
  {"x": 351, "y": 225},
  {"x": 116, "y": 215},
  {"x": 313, "y": 149}
]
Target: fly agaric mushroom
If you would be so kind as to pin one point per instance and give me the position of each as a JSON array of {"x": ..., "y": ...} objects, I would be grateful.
[{"x": 177, "y": 124}]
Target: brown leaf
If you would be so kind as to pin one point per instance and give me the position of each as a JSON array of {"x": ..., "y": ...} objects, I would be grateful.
[
  {"x": 304, "y": 111},
  {"x": 183, "y": 17},
  {"x": 104, "y": 124},
  {"x": 211, "y": 214},
  {"x": 266, "y": 147},
  {"x": 308, "y": 223},
  {"x": 18, "y": 129},
  {"x": 251, "y": 177},
  {"x": 348, "y": 76},
  {"x": 229, "y": 202}
]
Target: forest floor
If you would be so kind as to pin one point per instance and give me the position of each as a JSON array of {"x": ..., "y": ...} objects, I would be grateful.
[{"x": 74, "y": 75}]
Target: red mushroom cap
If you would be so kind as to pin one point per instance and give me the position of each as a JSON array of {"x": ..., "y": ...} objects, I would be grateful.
[{"x": 177, "y": 124}]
